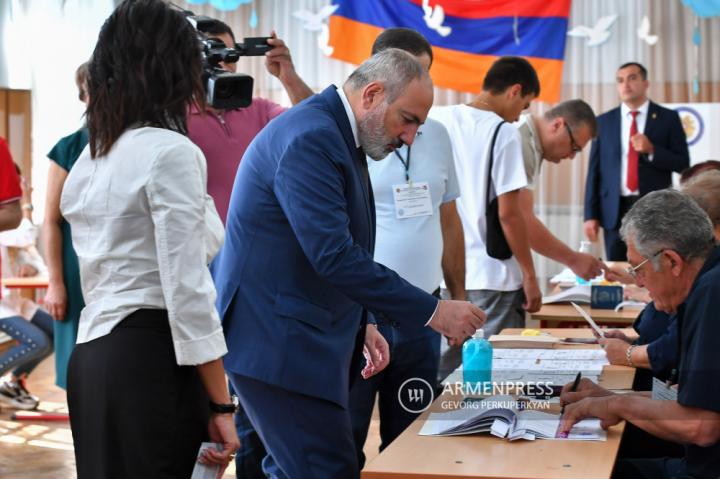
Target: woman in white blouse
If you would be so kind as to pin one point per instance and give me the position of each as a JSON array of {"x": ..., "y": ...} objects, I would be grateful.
[{"x": 145, "y": 382}]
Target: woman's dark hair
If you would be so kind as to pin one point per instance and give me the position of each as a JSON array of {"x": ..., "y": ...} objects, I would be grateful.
[{"x": 146, "y": 69}]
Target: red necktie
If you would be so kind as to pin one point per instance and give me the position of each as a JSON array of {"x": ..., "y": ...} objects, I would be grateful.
[{"x": 632, "y": 171}]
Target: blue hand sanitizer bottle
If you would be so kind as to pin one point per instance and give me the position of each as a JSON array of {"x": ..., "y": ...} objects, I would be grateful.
[
  {"x": 477, "y": 365},
  {"x": 585, "y": 247}
]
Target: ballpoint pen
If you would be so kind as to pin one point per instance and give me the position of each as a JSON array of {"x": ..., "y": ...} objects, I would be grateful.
[{"x": 573, "y": 389}]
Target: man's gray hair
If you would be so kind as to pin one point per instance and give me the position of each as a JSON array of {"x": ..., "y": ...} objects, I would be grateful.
[
  {"x": 394, "y": 68},
  {"x": 668, "y": 219},
  {"x": 576, "y": 114}
]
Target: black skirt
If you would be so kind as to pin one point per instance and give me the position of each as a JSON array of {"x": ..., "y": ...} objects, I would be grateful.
[{"x": 134, "y": 412}]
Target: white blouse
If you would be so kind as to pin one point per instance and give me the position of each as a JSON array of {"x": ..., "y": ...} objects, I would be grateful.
[{"x": 144, "y": 229}]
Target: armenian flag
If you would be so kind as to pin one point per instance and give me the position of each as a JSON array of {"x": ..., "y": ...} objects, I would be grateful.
[{"x": 467, "y": 35}]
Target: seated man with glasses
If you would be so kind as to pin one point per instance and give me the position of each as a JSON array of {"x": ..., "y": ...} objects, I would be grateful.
[
  {"x": 674, "y": 254},
  {"x": 656, "y": 348},
  {"x": 560, "y": 133}
]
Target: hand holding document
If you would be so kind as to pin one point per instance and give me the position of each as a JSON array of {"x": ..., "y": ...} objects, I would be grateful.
[
  {"x": 590, "y": 321},
  {"x": 206, "y": 471}
]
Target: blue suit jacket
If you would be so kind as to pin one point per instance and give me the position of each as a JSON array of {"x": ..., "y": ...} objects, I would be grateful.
[
  {"x": 295, "y": 276},
  {"x": 602, "y": 188}
]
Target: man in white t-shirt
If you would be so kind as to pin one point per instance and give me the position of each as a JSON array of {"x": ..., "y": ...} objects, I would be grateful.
[
  {"x": 561, "y": 133},
  {"x": 504, "y": 289}
]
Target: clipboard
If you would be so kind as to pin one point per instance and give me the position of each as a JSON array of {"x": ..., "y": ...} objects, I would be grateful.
[{"x": 589, "y": 320}]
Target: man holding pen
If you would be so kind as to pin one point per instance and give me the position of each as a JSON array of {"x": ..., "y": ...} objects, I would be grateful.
[{"x": 672, "y": 247}]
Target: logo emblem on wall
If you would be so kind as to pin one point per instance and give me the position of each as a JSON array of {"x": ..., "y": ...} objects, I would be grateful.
[{"x": 692, "y": 123}]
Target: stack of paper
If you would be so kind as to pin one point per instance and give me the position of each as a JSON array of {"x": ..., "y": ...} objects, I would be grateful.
[
  {"x": 555, "y": 366},
  {"x": 578, "y": 294},
  {"x": 504, "y": 417},
  {"x": 544, "y": 341},
  {"x": 551, "y": 366}
]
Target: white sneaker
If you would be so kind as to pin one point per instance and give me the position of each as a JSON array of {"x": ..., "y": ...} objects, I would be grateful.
[{"x": 15, "y": 395}]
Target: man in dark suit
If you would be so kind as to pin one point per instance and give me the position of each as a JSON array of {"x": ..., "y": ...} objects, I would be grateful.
[
  {"x": 296, "y": 277},
  {"x": 638, "y": 147}
]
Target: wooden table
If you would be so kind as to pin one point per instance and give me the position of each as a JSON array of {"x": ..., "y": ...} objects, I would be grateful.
[
  {"x": 28, "y": 286},
  {"x": 552, "y": 315},
  {"x": 484, "y": 456}
]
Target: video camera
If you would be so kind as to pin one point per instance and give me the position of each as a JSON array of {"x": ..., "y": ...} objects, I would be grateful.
[{"x": 226, "y": 90}]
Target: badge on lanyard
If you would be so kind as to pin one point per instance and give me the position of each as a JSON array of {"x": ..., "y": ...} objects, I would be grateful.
[
  {"x": 662, "y": 391},
  {"x": 411, "y": 199}
]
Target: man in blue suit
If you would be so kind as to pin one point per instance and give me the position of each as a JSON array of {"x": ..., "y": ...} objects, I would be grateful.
[
  {"x": 296, "y": 279},
  {"x": 638, "y": 147}
]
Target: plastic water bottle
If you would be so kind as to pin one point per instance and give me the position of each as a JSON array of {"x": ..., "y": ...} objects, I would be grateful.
[
  {"x": 477, "y": 365},
  {"x": 585, "y": 247}
]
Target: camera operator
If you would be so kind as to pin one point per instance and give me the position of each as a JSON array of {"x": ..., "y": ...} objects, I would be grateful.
[{"x": 223, "y": 135}]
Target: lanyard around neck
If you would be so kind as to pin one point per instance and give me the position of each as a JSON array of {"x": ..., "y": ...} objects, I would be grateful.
[{"x": 405, "y": 163}]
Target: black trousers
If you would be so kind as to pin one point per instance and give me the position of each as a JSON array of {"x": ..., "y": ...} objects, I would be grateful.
[
  {"x": 134, "y": 412},
  {"x": 660, "y": 468},
  {"x": 615, "y": 247}
]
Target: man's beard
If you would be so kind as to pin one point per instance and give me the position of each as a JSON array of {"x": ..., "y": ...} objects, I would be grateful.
[{"x": 371, "y": 130}]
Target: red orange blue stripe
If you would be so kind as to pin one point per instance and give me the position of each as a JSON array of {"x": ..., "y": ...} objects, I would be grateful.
[{"x": 482, "y": 31}]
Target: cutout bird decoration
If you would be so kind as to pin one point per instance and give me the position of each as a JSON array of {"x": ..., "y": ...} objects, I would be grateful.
[
  {"x": 434, "y": 18},
  {"x": 314, "y": 21},
  {"x": 596, "y": 35},
  {"x": 644, "y": 32}
]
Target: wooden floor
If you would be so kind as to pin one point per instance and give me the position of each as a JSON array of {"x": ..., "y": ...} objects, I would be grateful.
[{"x": 44, "y": 450}]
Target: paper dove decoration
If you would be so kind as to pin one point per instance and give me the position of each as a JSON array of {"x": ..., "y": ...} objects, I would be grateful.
[
  {"x": 434, "y": 18},
  {"x": 323, "y": 40},
  {"x": 596, "y": 35},
  {"x": 314, "y": 21},
  {"x": 644, "y": 32}
]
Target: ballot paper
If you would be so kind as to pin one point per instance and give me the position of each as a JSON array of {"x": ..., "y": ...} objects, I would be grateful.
[
  {"x": 553, "y": 366},
  {"x": 552, "y": 354},
  {"x": 590, "y": 321},
  {"x": 206, "y": 471}
]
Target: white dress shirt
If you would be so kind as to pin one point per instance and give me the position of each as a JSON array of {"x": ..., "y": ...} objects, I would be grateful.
[
  {"x": 625, "y": 123},
  {"x": 144, "y": 227},
  {"x": 350, "y": 115}
]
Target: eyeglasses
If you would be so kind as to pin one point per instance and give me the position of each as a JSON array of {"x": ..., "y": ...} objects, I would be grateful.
[
  {"x": 633, "y": 270},
  {"x": 573, "y": 144}
]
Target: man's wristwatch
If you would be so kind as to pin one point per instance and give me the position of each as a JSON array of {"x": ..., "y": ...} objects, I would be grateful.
[{"x": 230, "y": 408}]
